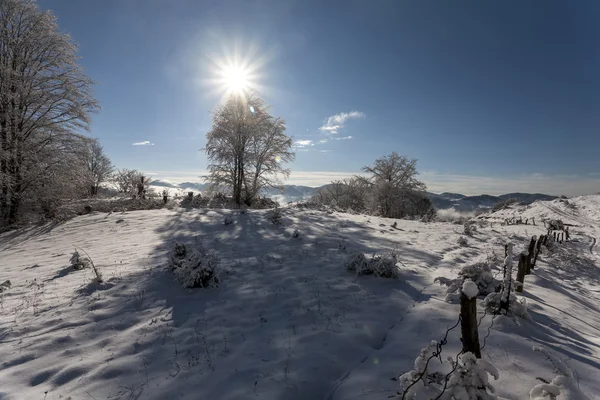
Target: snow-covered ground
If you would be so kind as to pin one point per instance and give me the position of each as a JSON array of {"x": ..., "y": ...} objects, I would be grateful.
[{"x": 288, "y": 321}]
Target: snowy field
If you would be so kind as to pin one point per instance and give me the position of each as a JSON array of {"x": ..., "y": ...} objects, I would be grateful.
[{"x": 288, "y": 321}]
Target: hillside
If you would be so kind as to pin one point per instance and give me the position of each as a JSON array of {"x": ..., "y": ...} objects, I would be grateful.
[{"x": 288, "y": 321}]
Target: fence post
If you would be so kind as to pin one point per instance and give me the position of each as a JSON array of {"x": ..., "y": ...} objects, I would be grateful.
[
  {"x": 468, "y": 325},
  {"x": 530, "y": 252},
  {"x": 521, "y": 271},
  {"x": 506, "y": 282},
  {"x": 538, "y": 249}
]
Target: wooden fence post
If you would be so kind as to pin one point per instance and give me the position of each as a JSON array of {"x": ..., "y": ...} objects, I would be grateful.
[
  {"x": 521, "y": 271},
  {"x": 468, "y": 325},
  {"x": 554, "y": 235},
  {"x": 530, "y": 253},
  {"x": 538, "y": 249}
]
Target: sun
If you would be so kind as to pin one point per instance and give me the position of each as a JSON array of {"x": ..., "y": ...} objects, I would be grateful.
[
  {"x": 236, "y": 69},
  {"x": 236, "y": 79}
]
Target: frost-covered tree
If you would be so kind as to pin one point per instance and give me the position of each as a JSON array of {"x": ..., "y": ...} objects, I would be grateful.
[
  {"x": 396, "y": 191},
  {"x": 128, "y": 181},
  {"x": 247, "y": 147},
  {"x": 44, "y": 98},
  {"x": 98, "y": 165}
]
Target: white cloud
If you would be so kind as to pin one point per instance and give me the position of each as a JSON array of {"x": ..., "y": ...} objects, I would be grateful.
[
  {"x": 343, "y": 138},
  {"x": 336, "y": 122},
  {"x": 303, "y": 143},
  {"x": 144, "y": 143}
]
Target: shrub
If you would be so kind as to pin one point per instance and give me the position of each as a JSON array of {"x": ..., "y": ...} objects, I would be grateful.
[
  {"x": 462, "y": 241},
  {"x": 516, "y": 306},
  {"x": 275, "y": 215},
  {"x": 480, "y": 273},
  {"x": 228, "y": 221},
  {"x": 194, "y": 267},
  {"x": 296, "y": 233},
  {"x": 78, "y": 262},
  {"x": 470, "y": 228},
  {"x": 468, "y": 379},
  {"x": 383, "y": 266}
]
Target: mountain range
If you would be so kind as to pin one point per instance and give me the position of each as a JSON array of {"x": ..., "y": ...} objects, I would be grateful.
[{"x": 441, "y": 201}]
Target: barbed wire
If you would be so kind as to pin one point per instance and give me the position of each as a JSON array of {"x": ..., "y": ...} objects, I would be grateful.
[{"x": 435, "y": 354}]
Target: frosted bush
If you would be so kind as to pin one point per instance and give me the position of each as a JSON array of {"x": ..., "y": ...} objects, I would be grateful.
[
  {"x": 462, "y": 241},
  {"x": 516, "y": 306},
  {"x": 275, "y": 215},
  {"x": 480, "y": 273},
  {"x": 194, "y": 268},
  {"x": 468, "y": 381},
  {"x": 383, "y": 266},
  {"x": 79, "y": 262},
  {"x": 357, "y": 262},
  {"x": 470, "y": 228}
]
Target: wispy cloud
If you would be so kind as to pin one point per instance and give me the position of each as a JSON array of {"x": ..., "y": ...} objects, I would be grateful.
[
  {"x": 144, "y": 143},
  {"x": 337, "y": 122},
  {"x": 303, "y": 143}
]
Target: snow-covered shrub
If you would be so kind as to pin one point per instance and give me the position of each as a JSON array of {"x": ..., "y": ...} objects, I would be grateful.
[
  {"x": 357, "y": 262},
  {"x": 562, "y": 387},
  {"x": 383, "y": 266},
  {"x": 462, "y": 241},
  {"x": 480, "y": 273},
  {"x": 468, "y": 381},
  {"x": 516, "y": 306},
  {"x": 296, "y": 233},
  {"x": 5, "y": 285},
  {"x": 78, "y": 262},
  {"x": 194, "y": 267},
  {"x": 469, "y": 228},
  {"x": 275, "y": 215},
  {"x": 228, "y": 221}
]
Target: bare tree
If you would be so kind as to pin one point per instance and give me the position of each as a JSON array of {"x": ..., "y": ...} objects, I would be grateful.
[
  {"x": 98, "y": 165},
  {"x": 44, "y": 97},
  {"x": 129, "y": 180},
  {"x": 396, "y": 191},
  {"x": 247, "y": 147}
]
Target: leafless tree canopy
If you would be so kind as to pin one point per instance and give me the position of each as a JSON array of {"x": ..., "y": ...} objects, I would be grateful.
[
  {"x": 44, "y": 99},
  {"x": 127, "y": 181},
  {"x": 98, "y": 165},
  {"x": 392, "y": 189},
  {"x": 247, "y": 147}
]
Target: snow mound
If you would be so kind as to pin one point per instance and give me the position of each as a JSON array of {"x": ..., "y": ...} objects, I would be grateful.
[{"x": 470, "y": 289}]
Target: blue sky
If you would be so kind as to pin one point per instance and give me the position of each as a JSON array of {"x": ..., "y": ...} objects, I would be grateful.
[{"x": 490, "y": 97}]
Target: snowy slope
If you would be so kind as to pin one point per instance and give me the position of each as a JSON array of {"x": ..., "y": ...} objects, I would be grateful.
[{"x": 288, "y": 321}]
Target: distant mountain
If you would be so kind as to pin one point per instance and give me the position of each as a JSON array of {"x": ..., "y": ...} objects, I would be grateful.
[
  {"x": 160, "y": 183},
  {"x": 527, "y": 198},
  {"x": 481, "y": 202},
  {"x": 192, "y": 185}
]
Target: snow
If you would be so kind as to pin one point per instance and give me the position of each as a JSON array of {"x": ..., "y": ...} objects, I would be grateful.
[
  {"x": 288, "y": 320},
  {"x": 470, "y": 289}
]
